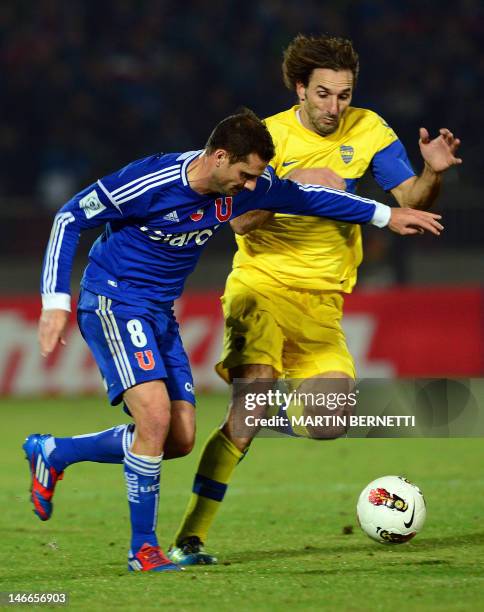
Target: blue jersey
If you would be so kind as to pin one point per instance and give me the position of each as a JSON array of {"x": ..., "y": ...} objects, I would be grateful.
[{"x": 156, "y": 227}]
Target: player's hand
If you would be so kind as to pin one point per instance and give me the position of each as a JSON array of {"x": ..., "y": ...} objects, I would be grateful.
[
  {"x": 408, "y": 221},
  {"x": 52, "y": 326},
  {"x": 318, "y": 176},
  {"x": 439, "y": 153}
]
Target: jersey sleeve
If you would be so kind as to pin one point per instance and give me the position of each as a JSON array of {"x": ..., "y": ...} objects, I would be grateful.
[
  {"x": 290, "y": 197},
  {"x": 90, "y": 208},
  {"x": 391, "y": 166}
]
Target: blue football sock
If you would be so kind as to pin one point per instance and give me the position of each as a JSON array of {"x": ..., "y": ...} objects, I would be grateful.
[
  {"x": 108, "y": 446},
  {"x": 142, "y": 475}
]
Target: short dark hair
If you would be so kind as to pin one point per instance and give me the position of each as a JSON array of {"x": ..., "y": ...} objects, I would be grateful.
[
  {"x": 307, "y": 53},
  {"x": 240, "y": 135}
]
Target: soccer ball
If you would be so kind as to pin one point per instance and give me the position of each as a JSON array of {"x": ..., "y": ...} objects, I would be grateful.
[{"x": 391, "y": 510}]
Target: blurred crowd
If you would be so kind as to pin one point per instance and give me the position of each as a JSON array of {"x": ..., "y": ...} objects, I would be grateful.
[{"x": 88, "y": 86}]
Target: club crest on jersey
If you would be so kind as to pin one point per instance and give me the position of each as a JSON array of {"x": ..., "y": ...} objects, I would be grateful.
[
  {"x": 223, "y": 208},
  {"x": 145, "y": 360},
  {"x": 197, "y": 216},
  {"x": 347, "y": 153}
]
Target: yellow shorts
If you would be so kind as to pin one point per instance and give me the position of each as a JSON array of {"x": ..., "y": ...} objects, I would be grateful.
[{"x": 296, "y": 331}]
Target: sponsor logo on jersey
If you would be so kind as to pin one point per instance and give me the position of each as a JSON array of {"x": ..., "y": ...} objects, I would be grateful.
[
  {"x": 91, "y": 204},
  {"x": 172, "y": 216},
  {"x": 197, "y": 237},
  {"x": 289, "y": 163},
  {"x": 347, "y": 152},
  {"x": 189, "y": 387},
  {"x": 197, "y": 216}
]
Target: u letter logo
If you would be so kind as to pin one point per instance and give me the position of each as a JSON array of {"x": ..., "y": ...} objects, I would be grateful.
[
  {"x": 223, "y": 208},
  {"x": 145, "y": 360}
]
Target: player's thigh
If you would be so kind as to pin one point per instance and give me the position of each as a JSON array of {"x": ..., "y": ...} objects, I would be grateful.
[
  {"x": 315, "y": 342},
  {"x": 179, "y": 377},
  {"x": 179, "y": 383},
  {"x": 149, "y": 404},
  {"x": 252, "y": 334},
  {"x": 122, "y": 342}
]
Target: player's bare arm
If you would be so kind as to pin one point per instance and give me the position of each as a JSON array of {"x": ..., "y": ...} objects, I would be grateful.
[
  {"x": 52, "y": 326},
  {"x": 439, "y": 154},
  {"x": 254, "y": 219},
  {"x": 251, "y": 220},
  {"x": 318, "y": 176}
]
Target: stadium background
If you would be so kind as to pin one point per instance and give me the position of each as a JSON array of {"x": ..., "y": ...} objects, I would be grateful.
[{"x": 89, "y": 86}]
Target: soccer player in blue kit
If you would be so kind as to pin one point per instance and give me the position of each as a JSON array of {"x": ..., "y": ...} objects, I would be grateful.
[{"x": 159, "y": 213}]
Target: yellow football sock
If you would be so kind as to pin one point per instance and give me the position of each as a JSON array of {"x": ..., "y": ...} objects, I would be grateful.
[
  {"x": 217, "y": 463},
  {"x": 296, "y": 411}
]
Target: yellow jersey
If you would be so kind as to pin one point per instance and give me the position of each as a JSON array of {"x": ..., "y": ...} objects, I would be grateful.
[{"x": 312, "y": 252}]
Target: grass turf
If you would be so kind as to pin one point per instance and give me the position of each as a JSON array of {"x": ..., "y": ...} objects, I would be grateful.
[{"x": 279, "y": 535}]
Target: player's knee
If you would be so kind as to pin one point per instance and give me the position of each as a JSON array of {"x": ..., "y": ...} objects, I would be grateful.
[
  {"x": 325, "y": 433},
  {"x": 328, "y": 426},
  {"x": 152, "y": 422}
]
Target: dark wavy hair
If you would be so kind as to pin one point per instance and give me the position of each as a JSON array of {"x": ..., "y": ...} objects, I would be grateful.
[
  {"x": 306, "y": 53},
  {"x": 240, "y": 135}
]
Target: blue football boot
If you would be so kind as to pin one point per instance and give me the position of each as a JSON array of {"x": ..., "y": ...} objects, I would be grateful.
[
  {"x": 43, "y": 475},
  {"x": 190, "y": 552}
]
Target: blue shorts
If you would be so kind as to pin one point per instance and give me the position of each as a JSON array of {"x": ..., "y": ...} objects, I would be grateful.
[{"x": 135, "y": 344}]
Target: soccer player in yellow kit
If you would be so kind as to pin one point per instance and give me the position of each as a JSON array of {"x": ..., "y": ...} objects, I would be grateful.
[{"x": 283, "y": 300}]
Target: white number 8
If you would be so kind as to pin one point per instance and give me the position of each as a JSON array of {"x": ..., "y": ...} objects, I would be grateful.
[{"x": 135, "y": 328}]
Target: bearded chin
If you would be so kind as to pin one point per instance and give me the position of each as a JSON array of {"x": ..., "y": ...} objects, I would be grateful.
[{"x": 326, "y": 130}]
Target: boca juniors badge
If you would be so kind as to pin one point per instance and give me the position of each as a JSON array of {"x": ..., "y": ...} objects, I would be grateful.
[{"x": 347, "y": 153}]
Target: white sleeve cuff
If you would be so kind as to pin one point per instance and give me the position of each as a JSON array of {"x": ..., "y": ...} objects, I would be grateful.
[
  {"x": 56, "y": 301},
  {"x": 381, "y": 217}
]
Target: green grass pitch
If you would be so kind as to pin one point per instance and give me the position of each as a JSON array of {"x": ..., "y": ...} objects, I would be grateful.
[{"x": 279, "y": 535}]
